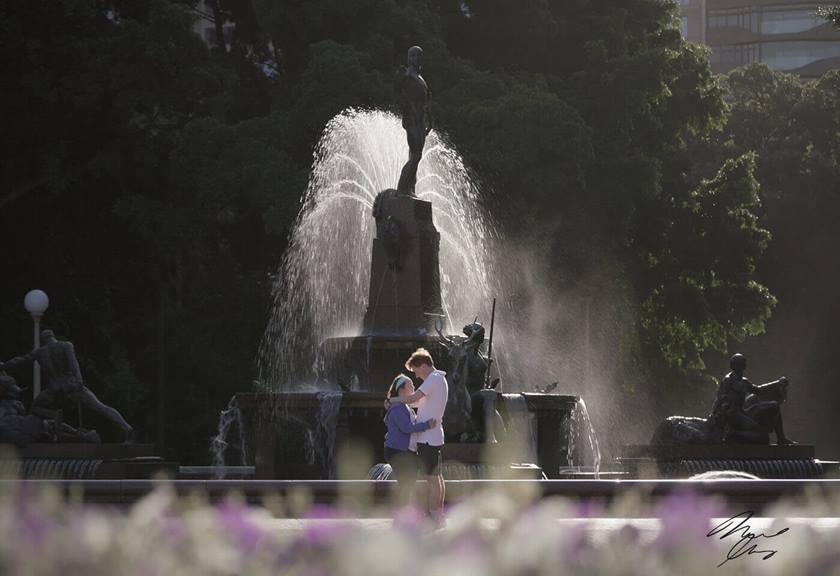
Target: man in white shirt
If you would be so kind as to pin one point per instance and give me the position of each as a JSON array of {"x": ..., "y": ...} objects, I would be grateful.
[{"x": 430, "y": 399}]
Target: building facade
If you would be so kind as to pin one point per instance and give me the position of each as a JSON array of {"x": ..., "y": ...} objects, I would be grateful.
[{"x": 784, "y": 34}]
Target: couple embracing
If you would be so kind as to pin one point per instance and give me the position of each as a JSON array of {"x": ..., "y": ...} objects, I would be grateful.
[{"x": 416, "y": 440}]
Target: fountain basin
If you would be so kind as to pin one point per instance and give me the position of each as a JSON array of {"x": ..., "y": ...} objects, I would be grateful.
[
  {"x": 86, "y": 461},
  {"x": 296, "y": 435},
  {"x": 682, "y": 461},
  {"x": 369, "y": 363}
]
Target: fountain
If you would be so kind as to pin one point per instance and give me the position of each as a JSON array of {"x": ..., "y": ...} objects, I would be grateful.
[
  {"x": 219, "y": 444},
  {"x": 371, "y": 274},
  {"x": 374, "y": 272},
  {"x": 331, "y": 295}
]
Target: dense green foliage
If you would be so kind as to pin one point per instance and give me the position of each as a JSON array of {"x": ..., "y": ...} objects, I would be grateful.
[
  {"x": 150, "y": 182},
  {"x": 831, "y": 13},
  {"x": 793, "y": 128}
]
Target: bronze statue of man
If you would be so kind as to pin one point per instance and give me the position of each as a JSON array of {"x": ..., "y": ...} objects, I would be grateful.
[
  {"x": 750, "y": 412},
  {"x": 416, "y": 120},
  {"x": 64, "y": 382}
]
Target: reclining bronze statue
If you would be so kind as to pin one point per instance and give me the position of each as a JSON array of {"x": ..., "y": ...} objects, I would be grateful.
[{"x": 742, "y": 413}]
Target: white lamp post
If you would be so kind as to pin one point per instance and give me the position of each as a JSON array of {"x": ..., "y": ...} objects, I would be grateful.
[{"x": 36, "y": 303}]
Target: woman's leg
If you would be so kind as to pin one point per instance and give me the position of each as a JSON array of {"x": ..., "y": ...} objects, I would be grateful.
[
  {"x": 408, "y": 477},
  {"x": 404, "y": 467}
]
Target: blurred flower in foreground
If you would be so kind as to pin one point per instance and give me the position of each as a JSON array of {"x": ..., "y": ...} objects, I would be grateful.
[
  {"x": 685, "y": 520},
  {"x": 492, "y": 533}
]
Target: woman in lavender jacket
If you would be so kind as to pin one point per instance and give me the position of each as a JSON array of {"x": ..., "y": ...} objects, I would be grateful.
[{"x": 400, "y": 445}]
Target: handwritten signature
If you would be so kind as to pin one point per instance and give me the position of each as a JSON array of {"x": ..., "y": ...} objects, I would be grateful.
[{"x": 737, "y": 525}]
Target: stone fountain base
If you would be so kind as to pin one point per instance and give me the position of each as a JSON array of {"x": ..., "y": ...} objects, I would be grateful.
[
  {"x": 779, "y": 462},
  {"x": 87, "y": 461},
  {"x": 370, "y": 363},
  {"x": 298, "y": 435}
]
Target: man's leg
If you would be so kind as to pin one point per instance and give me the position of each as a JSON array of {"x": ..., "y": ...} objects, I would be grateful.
[
  {"x": 435, "y": 492},
  {"x": 408, "y": 176},
  {"x": 89, "y": 400},
  {"x": 441, "y": 491},
  {"x": 779, "y": 428},
  {"x": 431, "y": 458},
  {"x": 47, "y": 406},
  {"x": 768, "y": 416}
]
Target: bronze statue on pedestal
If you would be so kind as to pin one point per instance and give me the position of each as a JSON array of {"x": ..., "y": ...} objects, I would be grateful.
[
  {"x": 742, "y": 413},
  {"x": 64, "y": 383},
  {"x": 414, "y": 103}
]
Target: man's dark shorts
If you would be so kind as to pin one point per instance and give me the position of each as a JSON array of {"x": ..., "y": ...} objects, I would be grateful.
[{"x": 430, "y": 457}]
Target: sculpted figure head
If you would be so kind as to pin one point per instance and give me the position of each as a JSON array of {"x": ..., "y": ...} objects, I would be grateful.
[
  {"x": 415, "y": 58},
  {"x": 738, "y": 363},
  {"x": 474, "y": 333}
]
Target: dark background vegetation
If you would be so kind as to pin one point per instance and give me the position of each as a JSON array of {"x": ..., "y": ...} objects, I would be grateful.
[{"x": 149, "y": 184}]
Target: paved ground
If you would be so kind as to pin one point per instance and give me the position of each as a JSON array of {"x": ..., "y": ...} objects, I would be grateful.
[{"x": 648, "y": 528}]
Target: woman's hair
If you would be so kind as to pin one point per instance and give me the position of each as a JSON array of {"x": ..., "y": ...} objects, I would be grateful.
[{"x": 396, "y": 384}]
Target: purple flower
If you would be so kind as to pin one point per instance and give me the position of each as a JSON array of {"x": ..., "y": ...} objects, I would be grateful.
[
  {"x": 32, "y": 525},
  {"x": 409, "y": 520},
  {"x": 684, "y": 518},
  {"x": 323, "y": 512},
  {"x": 575, "y": 544},
  {"x": 323, "y": 525},
  {"x": 324, "y": 532},
  {"x": 173, "y": 528},
  {"x": 238, "y": 526},
  {"x": 587, "y": 509},
  {"x": 469, "y": 544}
]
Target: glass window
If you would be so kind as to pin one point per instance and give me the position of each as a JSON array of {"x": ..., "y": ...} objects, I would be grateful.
[
  {"x": 733, "y": 55},
  {"x": 744, "y": 18},
  {"x": 684, "y": 26},
  {"x": 792, "y": 55},
  {"x": 789, "y": 21}
]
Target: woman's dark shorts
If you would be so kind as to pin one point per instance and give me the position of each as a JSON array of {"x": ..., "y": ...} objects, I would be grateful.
[{"x": 403, "y": 463}]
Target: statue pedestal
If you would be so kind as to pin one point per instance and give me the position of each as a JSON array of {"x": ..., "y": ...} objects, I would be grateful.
[
  {"x": 404, "y": 299},
  {"x": 89, "y": 461},
  {"x": 405, "y": 272},
  {"x": 764, "y": 461},
  {"x": 485, "y": 461},
  {"x": 282, "y": 428}
]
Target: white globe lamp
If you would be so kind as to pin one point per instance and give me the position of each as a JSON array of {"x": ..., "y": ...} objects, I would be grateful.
[{"x": 36, "y": 303}]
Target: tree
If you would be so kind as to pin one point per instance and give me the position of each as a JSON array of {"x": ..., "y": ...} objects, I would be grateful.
[
  {"x": 168, "y": 174},
  {"x": 696, "y": 302},
  {"x": 831, "y": 13},
  {"x": 103, "y": 210},
  {"x": 791, "y": 128}
]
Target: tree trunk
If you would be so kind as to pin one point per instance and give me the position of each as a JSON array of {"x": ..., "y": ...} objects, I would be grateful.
[{"x": 218, "y": 23}]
